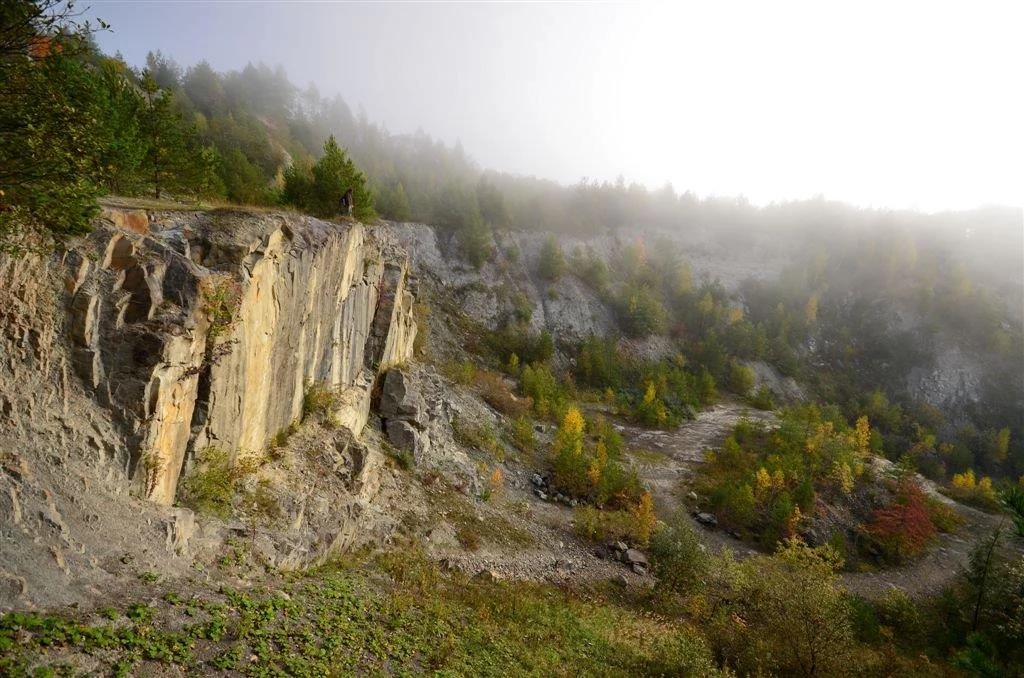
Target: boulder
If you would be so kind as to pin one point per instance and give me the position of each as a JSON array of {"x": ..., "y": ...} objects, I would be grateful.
[
  {"x": 405, "y": 436},
  {"x": 399, "y": 399},
  {"x": 707, "y": 519},
  {"x": 634, "y": 557}
]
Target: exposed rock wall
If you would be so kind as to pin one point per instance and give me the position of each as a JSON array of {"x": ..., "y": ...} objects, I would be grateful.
[{"x": 196, "y": 329}]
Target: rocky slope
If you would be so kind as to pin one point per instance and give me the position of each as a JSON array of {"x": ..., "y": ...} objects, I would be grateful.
[{"x": 160, "y": 335}]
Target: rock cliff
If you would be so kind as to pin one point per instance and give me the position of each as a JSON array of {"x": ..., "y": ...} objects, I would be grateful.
[{"x": 165, "y": 333}]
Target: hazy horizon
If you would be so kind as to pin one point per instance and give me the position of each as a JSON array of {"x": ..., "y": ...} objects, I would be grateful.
[{"x": 907, "y": 107}]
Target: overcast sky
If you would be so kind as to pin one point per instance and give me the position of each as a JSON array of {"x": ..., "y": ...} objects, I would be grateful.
[{"x": 897, "y": 104}]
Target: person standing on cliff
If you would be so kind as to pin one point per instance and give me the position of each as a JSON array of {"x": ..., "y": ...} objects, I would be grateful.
[{"x": 346, "y": 203}]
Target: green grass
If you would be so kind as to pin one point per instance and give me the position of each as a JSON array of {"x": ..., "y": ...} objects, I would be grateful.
[{"x": 398, "y": 616}]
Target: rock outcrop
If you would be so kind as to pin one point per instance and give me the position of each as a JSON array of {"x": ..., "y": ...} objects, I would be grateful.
[{"x": 194, "y": 329}]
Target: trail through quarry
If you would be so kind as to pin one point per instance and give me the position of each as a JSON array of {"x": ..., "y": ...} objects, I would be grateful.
[{"x": 665, "y": 458}]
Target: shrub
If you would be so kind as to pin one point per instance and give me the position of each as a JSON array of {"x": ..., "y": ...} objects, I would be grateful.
[
  {"x": 642, "y": 313},
  {"x": 552, "y": 262},
  {"x": 522, "y": 435},
  {"x": 762, "y": 399},
  {"x": 741, "y": 378},
  {"x": 966, "y": 488},
  {"x": 210, "y": 486},
  {"x": 320, "y": 400},
  {"x": 221, "y": 295},
  {"x": 903, "y": 529},
  {"x": 1013, "y": 499},
  {"x": 496, "y": 393},
  {"x": 605, "y": 525},
  {"x": 550, "y": 398},
  {"x": 678, "y": 558},
  {"x": 477, "y": 436},
  {"x": 461, "y": 373}
]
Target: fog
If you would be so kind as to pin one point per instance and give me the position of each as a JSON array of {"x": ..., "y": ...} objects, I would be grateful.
[{"x": 914, "y": 105}]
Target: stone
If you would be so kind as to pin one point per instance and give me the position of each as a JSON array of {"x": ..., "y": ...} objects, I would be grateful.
[
  {"x": 487, "y": 576},
  {"x": 620, "y": 546},
  {"x": 634, "y": 557},
  {"x": 399, "y": 399},
  {"x": 541, "y": 495},
  {"x": 639, "y": 569},
  {"x": 707, "y": 519},
  {"x": 537, "y": 480},
  {"x": 692, "y": 496},
  {"x": 620, "y": 580},
  {"x": 405, "y": 436}
]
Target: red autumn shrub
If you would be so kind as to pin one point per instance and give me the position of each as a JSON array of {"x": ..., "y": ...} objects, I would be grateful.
[{"x": 904, "y": 528}]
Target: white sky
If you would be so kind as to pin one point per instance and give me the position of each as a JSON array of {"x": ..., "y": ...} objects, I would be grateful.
[{"x": 899, "y": 104}]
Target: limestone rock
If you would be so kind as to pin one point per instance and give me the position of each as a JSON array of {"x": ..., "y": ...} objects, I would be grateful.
[
  {"x": 399, "y": 399},
  {"x": 405, "y": 436},
  {"x": 634, "y": 557}
]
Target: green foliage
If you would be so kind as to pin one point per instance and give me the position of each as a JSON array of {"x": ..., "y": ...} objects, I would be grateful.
[
  {"x": 210, "y": 486},
  {"x": 320, "y": 400},
  {"x": 641, "y": 312},
  {"x": 522, "y": 435},
  {"x": 48, "y": 112},
  {"x": 551, "y": 265},
  {"x": 478, "y": 436},
  {"x": 762, "y": 399},
  {"x": 762, "y": 482},
  {"x": 795, "y": 619},
  {"x": 396, "y": 615},
  {"x": 1013, "y": 499},
  {"x": 679, "y": 560},
  {"x": 589, "y": 468},
  {"x": 741, "y": 379},
  {"x": 550, "y": 398},
  {"x": 321, "y": 188}
]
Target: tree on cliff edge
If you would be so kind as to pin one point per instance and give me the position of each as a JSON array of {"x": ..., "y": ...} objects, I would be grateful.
[
  {"x": 47, "y": 187},
  {"x": 320, "y": 188}
]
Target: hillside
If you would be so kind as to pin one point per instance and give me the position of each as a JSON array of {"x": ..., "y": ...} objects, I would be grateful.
[
  {"x": 232, "y": 376},
  {"x": 285, "y": 393}
]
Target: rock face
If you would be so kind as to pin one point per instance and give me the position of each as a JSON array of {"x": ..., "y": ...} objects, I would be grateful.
[
  {"x": 404, "y": 412},
  {"x": 200, "y": 329}
]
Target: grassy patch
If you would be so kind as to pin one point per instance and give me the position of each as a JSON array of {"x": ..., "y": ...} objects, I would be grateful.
[{"x": 396, "y": 617}]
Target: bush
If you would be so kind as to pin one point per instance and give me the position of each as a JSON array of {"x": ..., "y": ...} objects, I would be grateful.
[
  {"x": 210, "y": 486},
  {"x": 762, "y": 399},
  {"x": 642, "y": 313},
  {"x": 598, "y": 525},
  {"x": 678, "y": 558},
  {"x": 320, "y": 400},
  {"x": 552, "y": 262},
  {"x": 522, "y": 435},
  {"x": 741, "y": 378},
  {"x": 788, "y": 615},
  {"x": 966, "y": 488},
  {"x": 477, "y": 436},
  {"x": 903, "y": 529},
  {"x": 495, "y": 392}
]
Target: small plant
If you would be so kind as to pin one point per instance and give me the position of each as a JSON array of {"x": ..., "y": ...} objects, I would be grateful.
[
  {"x": 468, "y": 537},
  {"x": 149, "y": 577},
  {"x": 221, "y": 295},
  {"x": 320, "y": 400},
  {"x": 210, "y": 486},
  {"x": 495, "y": 485},
  {"x": 477, "y": 436},
  {"x": 1013, "y": 499},
  {"x": 522, "y": 435},
  {"x": 497, "y": 394},
  {"x": 762, "y": 399},
  {"x": 967, "y": 488}
]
